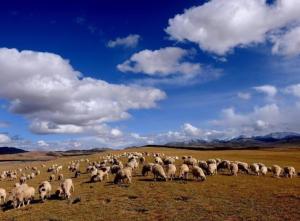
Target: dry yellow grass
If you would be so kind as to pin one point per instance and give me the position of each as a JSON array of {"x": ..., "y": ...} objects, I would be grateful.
[{"x": 221, "y": 197}]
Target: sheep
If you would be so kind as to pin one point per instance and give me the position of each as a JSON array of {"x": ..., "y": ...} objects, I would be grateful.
[
  {"x": 158, "y": 160},
  {"x": 289, "y": 171},
  {"x": 44, "y": 190},
  {"x": 115, "y": 168},
  {"x": 168, "y": 160},
  {"x": 123, "y": 174},
  {"x": 260, "y": 165},
  {"x": 171, "y": 171},
  {"x": 94, "y": 171},
  {"x": 212, "y": 169},
  {"x": 276, "y": 171},
  {"x": 60, "y": 177},
  {"x": 32, "y": 175},
  {"x": 77, "y": 174},
  {"x": 255, "y": 168},
  {"x": 142, "y": 160},
  {"x": 198, "y": 173},
  {"x": 203, "y": 165},
  {"x": 22, "y": 179},
  {"x": 264, "y": 170},
  {"x": 99, "y": 176},
  {"x": 184, "y": 170},
  {"x": 21, "y": 194},
  {"x": 224, "y": 164},
  {"x": 190, "y": 161},
  {"x": 218, "y": 160},
  {"x": 133, "y": 164},
  {"x": 52, "y": 177},
  {"x": 243, "y": 166},
  {"x": 233, "y": 169},
  {"x": 50, "y": 169},
  {"x": 2, "y": 195},
  {"x": 158, "y": 171},
  {"x": 147, "y": 168},
  {"x": 209, "y": 161},
  {"x": 66, "y": 187}
]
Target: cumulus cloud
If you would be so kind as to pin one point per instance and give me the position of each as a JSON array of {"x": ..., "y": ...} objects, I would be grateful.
[
  {"x": 244, "y": 96},
  {"x": 46, "y": 89},
  {"x": 287, "y": 43},
  {"x": 163, "y": 62},
  {"x": 131, "y": 41},
  {"x": 42, "y": 143},
  {"x": 191, "y": 130},
  {"x": 269, "y": 90},
  {"x": 293, "y": 89},
  {"x": 262, "y": 120},
  {"x": 4, "y": 139},
  {"x": 219, "y": 26}
]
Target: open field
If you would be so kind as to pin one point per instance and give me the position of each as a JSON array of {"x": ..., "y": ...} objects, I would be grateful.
[{"x": 220, "y": 197}]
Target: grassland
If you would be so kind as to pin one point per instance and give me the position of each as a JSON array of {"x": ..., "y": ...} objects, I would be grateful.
[{"x": 221, "y": 197}]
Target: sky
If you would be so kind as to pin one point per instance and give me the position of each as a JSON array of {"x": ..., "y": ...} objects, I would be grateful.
[{"x": 119, "y": 73}]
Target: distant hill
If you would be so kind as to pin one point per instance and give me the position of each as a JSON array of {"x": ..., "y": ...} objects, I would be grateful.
[
  {"x": 241, "y": 142},
  {"x": 77, "y": 152},
  {"x": 11, "y": 150}
]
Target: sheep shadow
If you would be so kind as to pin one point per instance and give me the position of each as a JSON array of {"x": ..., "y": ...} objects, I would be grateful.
[
  {"x": 9, "y": 205},
  {"x": 151, "y": 180}
]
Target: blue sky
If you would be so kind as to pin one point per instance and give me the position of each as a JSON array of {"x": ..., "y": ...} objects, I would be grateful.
[{"x": 119, "y": 73}]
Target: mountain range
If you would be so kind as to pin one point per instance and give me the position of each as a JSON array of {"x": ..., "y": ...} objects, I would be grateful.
[{"x": 269, "y": 140}]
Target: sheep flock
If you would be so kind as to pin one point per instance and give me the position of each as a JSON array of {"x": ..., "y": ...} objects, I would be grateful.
[{"x": 118, "y": 169}]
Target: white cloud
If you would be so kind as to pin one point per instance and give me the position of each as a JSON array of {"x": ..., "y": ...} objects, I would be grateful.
[
  {"x": 130, "y": 41},
  {"x": 245, "y": 96},
  {"x": 219, "y": 26},
  {"x": 4, "y": 139},
  {"x": 42, "y": 143},
  {"x": 191, "y": 130},
  {"x": 116, "y": 132},
  {"x": 46, "y": 89},
  {"x": 163, "y": 62},
  {"x": 269, "y": 90},
  {"x": 293, "y": 89},
  {"x": 262, "y": 118},
  {"x": 287, "y": 43}
]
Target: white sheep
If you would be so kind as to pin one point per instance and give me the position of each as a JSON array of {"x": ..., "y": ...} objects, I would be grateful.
[
  {"x": 255, "y": 168},
  {"x": 264, "y": 170},
  {"x": 2, "y": 195},
  {"x": 234, "y": 169},
  {"x": 22, "y": 179},
  {"x": 60, "y": 177},
  {"x": 158, "y": 171},
  {"x": 198, "y": 173},
  {"x": 171, "y": 171},
  {"x": 158, "y": 160},
  {"x": 21, "y": 194},
  {"x": 190, "y": 161},
  {"x": 44, "y": 190},
  {"x": 276, "y": 171},
  {"x": 66, "y": 187},
  {"x": 184, "y": 171},
  {"x": 123, "y": 174},
  {"x": 52, "y": 177},
  {"x": 212, "y": 169},
  {"x": 289, "y": 171}
]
